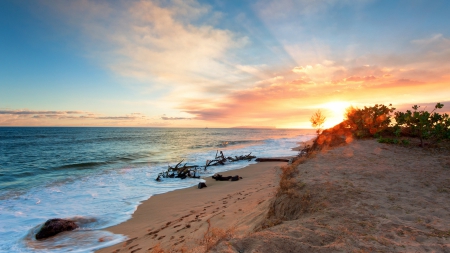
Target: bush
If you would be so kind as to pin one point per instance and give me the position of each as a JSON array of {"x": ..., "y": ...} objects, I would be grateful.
[
  {"x": 424, "y": 124},
  {"x": 368, "y": 121}
]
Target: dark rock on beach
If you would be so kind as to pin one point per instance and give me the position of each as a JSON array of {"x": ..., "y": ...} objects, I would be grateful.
[{"x": 54, "y": 226}]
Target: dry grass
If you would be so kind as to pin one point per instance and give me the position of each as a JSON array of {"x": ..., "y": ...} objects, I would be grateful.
[
  {"x": 157, "y": 249},
  {"x": 216, "y": 235},
  {"x": 211, "y": 239},
  {"x": 289, "y": 185},
  {"x": 291, "y": 198}
]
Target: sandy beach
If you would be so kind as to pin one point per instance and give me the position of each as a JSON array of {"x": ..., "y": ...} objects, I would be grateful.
[
  {"x": 179, "y": 220},
  {"x": 360, "y": 197}
]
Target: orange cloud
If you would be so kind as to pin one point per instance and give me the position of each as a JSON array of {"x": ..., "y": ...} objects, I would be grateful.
[
  {"x": 62, "y": 118},
  {"x": 360, "y": 79}
]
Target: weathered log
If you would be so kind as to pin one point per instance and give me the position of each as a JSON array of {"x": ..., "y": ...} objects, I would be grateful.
[
  {"x": 272, "y": 160},
  {"x": 191, "y": 170}
]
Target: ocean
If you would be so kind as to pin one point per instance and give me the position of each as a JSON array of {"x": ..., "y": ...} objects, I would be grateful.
[{"x": 98, "y": 176}]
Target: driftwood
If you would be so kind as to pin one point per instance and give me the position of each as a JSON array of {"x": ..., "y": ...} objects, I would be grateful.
[
  {"x": 192, "y": 170},
  {"x": 272, "y": 160}
]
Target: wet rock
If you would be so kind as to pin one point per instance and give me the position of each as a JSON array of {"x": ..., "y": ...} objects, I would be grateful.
[{"x": 54, "y": 226}]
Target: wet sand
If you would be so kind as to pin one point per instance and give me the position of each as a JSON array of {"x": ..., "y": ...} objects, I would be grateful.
[{"x": 180, "y": 219}]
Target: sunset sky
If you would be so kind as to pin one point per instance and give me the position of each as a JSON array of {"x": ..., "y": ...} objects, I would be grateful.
[{"x": 187, "y": 63}]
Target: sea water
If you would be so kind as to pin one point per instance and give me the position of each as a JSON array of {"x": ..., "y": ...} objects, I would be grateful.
[{"x": 98, "y": 176}]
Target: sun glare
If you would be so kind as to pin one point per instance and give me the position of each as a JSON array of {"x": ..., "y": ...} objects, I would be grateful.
[{"x": 334, "y": 111}]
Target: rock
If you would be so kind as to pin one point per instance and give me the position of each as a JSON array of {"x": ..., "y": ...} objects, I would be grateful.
[
  {"x": 201, "y": 185},
  {"x": 54, "y": 226}
]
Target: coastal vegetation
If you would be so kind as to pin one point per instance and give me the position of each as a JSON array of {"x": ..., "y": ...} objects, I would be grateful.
[
  {"x": 423, "y": 124},
  {"x": 317, "y": 121},
  {"x": 382, "y": 121}
]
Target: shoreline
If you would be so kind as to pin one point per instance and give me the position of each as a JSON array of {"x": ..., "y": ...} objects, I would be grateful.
[{"x": 181, "y": 218}]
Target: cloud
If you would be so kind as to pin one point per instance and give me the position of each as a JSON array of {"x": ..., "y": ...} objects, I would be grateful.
[
  {"x": 260, "y": 105},
  {"x": 37, "y": 117},
  {"x": 158, "y": 43},
  {"x": 360, "y": 79},
  {"x": 434, "y": 39},
  {"x": 175, "y": 118},
  {"x": 270, "y": 81},
  {"x": 301, "y": 69},
  {"x": 31, "y": 112}
]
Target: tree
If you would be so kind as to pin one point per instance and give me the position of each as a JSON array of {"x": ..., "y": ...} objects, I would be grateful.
[
  {"x": 424, "y": 124},
  {"x": 317, "y": 121}
]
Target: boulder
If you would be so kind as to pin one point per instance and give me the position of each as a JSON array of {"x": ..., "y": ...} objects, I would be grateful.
[{"x": 54, "y": 226}]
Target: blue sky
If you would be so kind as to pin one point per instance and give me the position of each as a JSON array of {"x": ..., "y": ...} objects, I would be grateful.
[{"x": 217, "y": 63}]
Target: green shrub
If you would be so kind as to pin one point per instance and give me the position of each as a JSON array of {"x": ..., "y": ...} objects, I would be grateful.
[
  {"x": 424, "y": 124},
  {"x": 368, "y": 121}
]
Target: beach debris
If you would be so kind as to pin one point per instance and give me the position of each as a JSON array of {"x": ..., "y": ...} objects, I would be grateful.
[
  {"x": 219, "y": 177},
  {"x": 55, "y": 226},
  {"x": 273, "y": 159},
  {"x": 192, "y": 171},
  {"x": 201, "y": 185}
]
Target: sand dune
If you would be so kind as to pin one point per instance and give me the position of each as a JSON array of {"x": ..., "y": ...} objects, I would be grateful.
[{"x": 365, "y": 197}]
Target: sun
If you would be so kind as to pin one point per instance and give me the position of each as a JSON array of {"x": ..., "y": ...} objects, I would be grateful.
[
  {"x": 337, "y": 107},
  {"x": 334, "y": 111}
]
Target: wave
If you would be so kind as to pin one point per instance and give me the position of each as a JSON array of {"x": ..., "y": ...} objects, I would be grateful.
[
  {"x": 240, "y": 142},
  {"x": 86, "y": 165},
  {"x": 95, "y": 164}
]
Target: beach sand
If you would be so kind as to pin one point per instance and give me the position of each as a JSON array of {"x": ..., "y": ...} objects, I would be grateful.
[
  {"x": 179, "y": 219},
  {"x": 360, "y": 197}
]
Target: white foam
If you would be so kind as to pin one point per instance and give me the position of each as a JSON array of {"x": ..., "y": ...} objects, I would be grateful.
[{"x": 109, "y": 197}]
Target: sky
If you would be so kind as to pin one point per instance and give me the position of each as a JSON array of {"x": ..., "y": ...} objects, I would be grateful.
[{"x": 211, "y": 63}]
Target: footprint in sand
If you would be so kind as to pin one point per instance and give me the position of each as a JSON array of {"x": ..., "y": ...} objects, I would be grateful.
[
  {"x": 128, "y": 242},
  {"x": 135, "y": 250},
  {"x": 175, "y": 244},
  {"x": 133, "y": 246},
  {"x": 161, "y": 237},
  {"x": 154, "y": 232}
]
